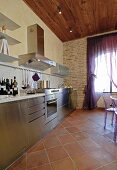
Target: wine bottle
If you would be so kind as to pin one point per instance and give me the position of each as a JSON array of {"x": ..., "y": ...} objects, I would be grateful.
[
  {"x": 11, "y": 87},
  {"x": 0, "y": 87},
  {"x": 15, "y": 87},
  {"x": 7, "y": 87},
  {"x": 3, "y": 87}
]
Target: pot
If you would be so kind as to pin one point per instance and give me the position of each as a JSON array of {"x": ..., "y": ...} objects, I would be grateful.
[{"x": 43, "y": 84}]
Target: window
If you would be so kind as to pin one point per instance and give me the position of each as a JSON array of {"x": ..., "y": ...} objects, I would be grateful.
[{"x": 105, "y": 70}]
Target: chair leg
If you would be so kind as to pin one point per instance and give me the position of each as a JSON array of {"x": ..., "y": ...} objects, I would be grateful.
[
  {"x": 105, "y": 120},
  {"x": 112, "y": 119},
  {"x": 115, "y": 129}
]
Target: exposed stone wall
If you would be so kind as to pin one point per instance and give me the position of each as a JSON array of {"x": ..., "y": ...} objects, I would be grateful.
[{"x": 74, "y": 56}]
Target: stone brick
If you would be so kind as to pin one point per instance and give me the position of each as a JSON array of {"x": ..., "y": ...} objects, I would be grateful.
[{"x": 74, "y": 57}]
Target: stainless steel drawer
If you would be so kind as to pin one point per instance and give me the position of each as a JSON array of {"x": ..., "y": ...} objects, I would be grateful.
[
  {"x": 35, "y": 129},
  {"x": 35, "y": 115},
  {"x": 36, "y": 108},
  {"x": 36, "y": 101}
]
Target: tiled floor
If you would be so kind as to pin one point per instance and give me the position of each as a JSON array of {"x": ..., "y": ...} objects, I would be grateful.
[{"x": 78, "y": 143}]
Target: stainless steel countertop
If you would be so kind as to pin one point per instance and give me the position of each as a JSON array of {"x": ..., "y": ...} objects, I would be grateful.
[{"x": 5, "y": 98}]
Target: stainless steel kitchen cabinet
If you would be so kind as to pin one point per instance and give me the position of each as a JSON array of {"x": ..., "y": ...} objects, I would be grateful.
[
  {"x": 36, "y": 117},
  {"x": 62, "y": 103},
  {"x": 34, "y": 112},
  {"x": 12, "y": 133}
]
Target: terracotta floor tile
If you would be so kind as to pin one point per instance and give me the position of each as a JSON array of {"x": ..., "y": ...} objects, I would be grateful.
[
  {"x": 74, "y": 149},
  {"x": 111, "y": 166},
  {"x": 66, "y": 124},
  {"x": 20, "y": 164},
  {"x": 92, "y": 125},
  {"x": 100, "y": 140},
  {"x": 64, "y": 139},
  {"x": 94, "y": 131},
  {"x": 72, "y": 129},
  {"x": 80, "y": 135},
  {"x": 37, "y": 147},
  {"x": 56, "y": 153},
  {"x": 36, "y": 159},
  {"x": 61, "y": 131},
  {"x": 89, "y": 145},
  {"x": 109, "y": 136},
  {"x": 51, "y": 142},
  {"x": 44, "y": 167},
  {"x": 111, "y": 148},
  {"x": 102, "y": 156},
  {"x": 49, "y": 135},
  {"x": 65, "y": 164},
  {"x": 85, "y": 162}
]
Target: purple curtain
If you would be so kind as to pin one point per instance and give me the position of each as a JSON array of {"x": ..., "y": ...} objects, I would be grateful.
[{"x": 97, "y": 46}]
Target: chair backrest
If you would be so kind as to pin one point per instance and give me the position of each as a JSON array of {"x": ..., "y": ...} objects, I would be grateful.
[
  {"x": 114, "y": 102},
  {"x": 107, "y": 100}
]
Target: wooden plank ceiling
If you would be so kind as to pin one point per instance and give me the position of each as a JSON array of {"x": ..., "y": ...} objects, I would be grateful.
[{"x": 83, "y": 17}]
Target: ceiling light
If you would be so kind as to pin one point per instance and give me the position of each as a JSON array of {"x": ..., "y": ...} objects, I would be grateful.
[
  {"x": 70, "y": 29},
  {"x": 59, "y": 10}
]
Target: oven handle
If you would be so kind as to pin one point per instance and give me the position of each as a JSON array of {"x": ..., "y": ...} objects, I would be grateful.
[{"x": 53, "y": 101}]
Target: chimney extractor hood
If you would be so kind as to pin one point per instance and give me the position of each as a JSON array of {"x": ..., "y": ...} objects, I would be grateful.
[
  {"x": 35, "y": 57},
  {"x": 35, "y": 61},
  {"x": 60, "y": 70}
]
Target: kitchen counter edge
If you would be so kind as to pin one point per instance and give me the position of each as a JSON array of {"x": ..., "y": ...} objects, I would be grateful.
[{"x": 20, "y": 97}]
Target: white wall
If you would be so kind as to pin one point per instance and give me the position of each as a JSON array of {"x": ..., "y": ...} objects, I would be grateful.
[
  {"x": 21, "y": 14},
  {"x": 9, "y": 72}
]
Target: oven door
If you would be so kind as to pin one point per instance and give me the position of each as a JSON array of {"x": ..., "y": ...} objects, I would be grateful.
[{"x": 51, "y": 109}]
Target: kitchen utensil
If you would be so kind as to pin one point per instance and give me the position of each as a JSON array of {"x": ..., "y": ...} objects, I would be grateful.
[
  {"x": 23, "y": 79},
  {"x": 43, "y": 84}
]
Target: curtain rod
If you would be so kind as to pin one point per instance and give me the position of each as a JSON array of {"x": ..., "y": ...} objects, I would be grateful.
[{"x": 102, "y": 34}]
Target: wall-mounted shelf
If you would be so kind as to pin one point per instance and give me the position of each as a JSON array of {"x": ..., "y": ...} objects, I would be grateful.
[
  {"x": 7, "y": 58},
  {"x": 11, "y": 41},
  {"x": 10, "y": 25}
]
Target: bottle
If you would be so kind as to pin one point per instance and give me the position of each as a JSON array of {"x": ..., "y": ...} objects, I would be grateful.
[
  {"x": 0, "y": 87},
  {"x": 4, "y": 28},
  {"x": 11, "y": 87},
  {"x": 3, "y": 87},
  {"x": 7, "y": 87},
  {"x": 15, "y": 87}
]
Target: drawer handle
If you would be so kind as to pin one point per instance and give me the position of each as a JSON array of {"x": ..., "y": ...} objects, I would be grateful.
[
  {"x": 36, "y": 111},
  {"x": 36, "y": 118},
  {"x": 35, "y": 105}
]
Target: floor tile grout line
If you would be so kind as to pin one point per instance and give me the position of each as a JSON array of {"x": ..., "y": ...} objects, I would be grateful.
[
  {"x": 35, "y": 151},
  {"x": 64, "y": 127},
  {"x": 49, "y": 159},
  {"x": 69, "y": 156},
  {"x": 13, "y": 164},
  {"x": 105, "y": 165},
  {"x": 36, "y": 166},
  {"x": 26, "y": 161}
]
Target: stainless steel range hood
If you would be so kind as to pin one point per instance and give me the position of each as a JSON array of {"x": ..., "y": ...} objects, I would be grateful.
[
  {"x": 35, "y": 56},
  {"x": 35, "y": 61}
]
